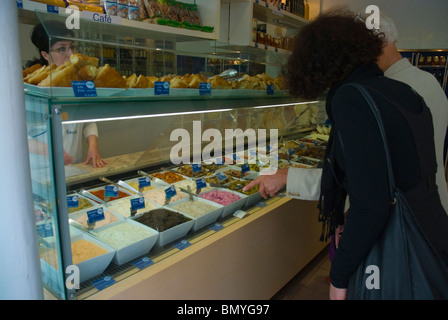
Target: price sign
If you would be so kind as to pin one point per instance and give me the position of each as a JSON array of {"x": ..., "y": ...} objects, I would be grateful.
[
  {"x": 111, "y": 191},
  {"x": 95, "y": 215},
  {"x": 73, "y": 201}
]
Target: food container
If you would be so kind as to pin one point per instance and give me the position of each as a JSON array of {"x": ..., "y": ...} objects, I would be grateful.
[
  {"x": 252, "y": 196},
  {"x": 123, "y": 206},
  {"x": 168, "y": 176},
  {"x": 88, "y": 268},
  {"x": 154, "y": 184},
  {"x": 170, "y": 224},
  {"x": 184, "y": 184},
  {"x": 82, "y": 218},
  {"x": 100, "y": 191},
  {"x": 200, "y": 220},
  {"x": 228, "y": 208},
  {"x": 235, "y": 172},
  {"x": 83, "y": 203},
  {"x": 129, "y": 238},
  {"x": 158, "y": 196}
]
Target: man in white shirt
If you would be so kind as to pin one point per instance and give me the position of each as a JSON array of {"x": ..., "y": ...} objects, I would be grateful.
[{"x": 304, "y": 184}]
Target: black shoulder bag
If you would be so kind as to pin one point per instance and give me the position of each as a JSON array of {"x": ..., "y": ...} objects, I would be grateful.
[{"x": 402, "y": 264}]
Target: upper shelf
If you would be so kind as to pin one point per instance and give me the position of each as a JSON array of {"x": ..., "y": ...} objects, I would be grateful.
[
  {"x": 275, "y": 15},
  {"x": 155, "y": 31}
]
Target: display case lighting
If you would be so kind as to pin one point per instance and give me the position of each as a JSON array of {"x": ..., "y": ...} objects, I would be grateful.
[{"x": 145, "y": 116}]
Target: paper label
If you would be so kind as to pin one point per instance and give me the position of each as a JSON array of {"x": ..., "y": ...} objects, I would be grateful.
[
  {"x": 103, "y": 283},
  {"x": 137, "y": 204},
  {"x": 200, "y": 184},
  {"x": 73, "y": 201},
  {"x": 170, "y": 192},
  {"x": 182, "y": 244},
  {"x": 143, "y": 263},
  {"x": 144, "y": 182},
  {"x": 161, "y": 88},
  {"x": 221, "y": 176},
  {"x": 205, "y": 89},
  {"x": 95, "y": 215},
  {"x": 45, "y": 230},
  {"x": 196, "y": 168},
  {"x": 111, "y": 191},
  {"x": 84, "y": 89},
  {"x": 216, "y": 227}
]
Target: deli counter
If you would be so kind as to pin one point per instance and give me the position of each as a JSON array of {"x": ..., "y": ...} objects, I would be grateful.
[{"x": 166, "y": 218}]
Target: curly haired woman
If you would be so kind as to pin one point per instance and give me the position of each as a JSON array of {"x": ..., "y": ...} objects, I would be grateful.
[{"x": 334, "y": 49}]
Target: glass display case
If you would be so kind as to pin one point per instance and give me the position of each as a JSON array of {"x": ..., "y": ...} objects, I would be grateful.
[{"x": 163, "y": 111}]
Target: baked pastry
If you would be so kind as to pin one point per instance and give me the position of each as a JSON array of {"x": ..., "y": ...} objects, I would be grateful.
[
  {"x": 108, "y": 77},
  {"x": 38, "y": 75},
  {"x": 195, "y": 79},
  {"x": 62, "y": 76},
  {"x": 218, "y": 82},
  {"x": 31, "y": 69},
  {"x": 178, "y": 82},
  {"x": 79, "y": 60},
  {"x": 151, "y": 81},
  {"x": 141, "y": 82},
  {"x": 88, "y": 72}
]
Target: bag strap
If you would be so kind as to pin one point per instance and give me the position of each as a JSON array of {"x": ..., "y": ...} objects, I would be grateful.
[{"x": 377, "y": 115}]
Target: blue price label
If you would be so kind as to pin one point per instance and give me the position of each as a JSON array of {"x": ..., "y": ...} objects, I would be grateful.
[
  {"x": 270, "y": 89},
  {"x": 84, "y": 88},
  {"x": 137, "y": 204},
  {"x": 245, "y": 168},
  {"x": 144, "y": 182},
  {"x": 110, "y": 191},
  {"x": 45, "y": 230},
  {"x": 182, "y": 244},
  {"x": 291, "y": 151},
  {"x": 200, "y": 184},
  {"x": 196, "y": 168},
  {"x": 216, "y": 227},
  {"x": 52, "y": 9},
  {"x": 73, "y": 201},
  {"x": 143, "y": 263},
  {"x": 170, "y": 192},
  {"x": 205, "y": 89},
  {"x": 221, "y": 176},
  {"x": 103, "y": 283},
  {"x": 95, "y": 215},
  {"x": 161, "y": 88}
]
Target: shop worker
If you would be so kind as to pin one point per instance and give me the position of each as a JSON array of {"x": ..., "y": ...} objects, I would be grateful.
[{"x": 73, "y": 134}]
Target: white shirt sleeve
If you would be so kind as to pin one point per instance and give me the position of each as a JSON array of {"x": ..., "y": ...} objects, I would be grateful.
[
  {"x": 89, "y": 129},
  {"x": 303, "y": 184}
]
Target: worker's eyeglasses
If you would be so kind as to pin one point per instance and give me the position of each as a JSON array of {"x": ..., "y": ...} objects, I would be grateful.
[{"x": 64, "y": 49}]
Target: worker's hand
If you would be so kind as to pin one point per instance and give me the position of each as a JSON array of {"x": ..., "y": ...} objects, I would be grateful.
[
  {"x": 269, "y": 185},
  {"x": 97, "y": 161}
]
